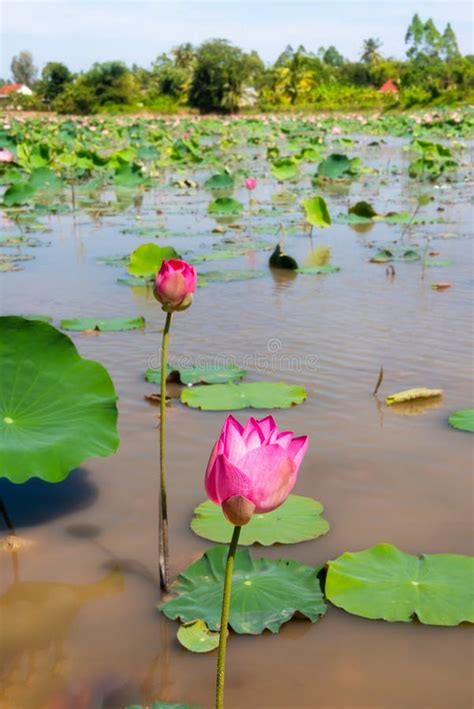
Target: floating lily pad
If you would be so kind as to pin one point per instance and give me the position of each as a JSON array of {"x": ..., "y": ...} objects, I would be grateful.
[
  {"x": 135, "y": 282},
  {"x": 463, "y": 420},
  {"x": 363, "y": 210},
  {"x": 265, "y": 593},
  {"x": 56, "y": 409},
  {"x": 230, "y": 275},
  {"x": 384, "y": 582},
  {"x": 317, "y": 212},
  {"x": 197, "y": 637},
  {"x": 232, "y": 397},
  {"x": 437, "y": 264},
  {"x": 146, "y": 260},
  {"x": 339, "y": 167},
  {"x": 225, "y": 207},
  {"x": 114, "y": 260},
  {"x": 221, "y": 182},
  {"x": 296, "y": 520},
  {"x": 411, "y": 394},
  {"x": 315, "y": 270},
  {"x": 196, "y": 374},
  {"x": 103, "y": 324}
]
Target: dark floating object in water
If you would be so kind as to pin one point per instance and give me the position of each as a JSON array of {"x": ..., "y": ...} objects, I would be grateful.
[{"x": 279, "y": 259}]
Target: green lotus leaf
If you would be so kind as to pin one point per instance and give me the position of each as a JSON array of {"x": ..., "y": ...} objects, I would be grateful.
[
  {"x": 384, "y": 582},
  {"x": 102, "y": 324},
  {"x": 462, "y": 420},
  {"x": 119, "y": 261},
  {"x": 129, "y": 175},
  {"x": 221, "y": 182},
  {"x": 317, "y": 212},
  {"x": 230, "y": 275},
  {"x": 437, "y": 264},
  {"x": 18, "y": 194},
  {"x": 146, "y": 260},
  {"x": 285, "y": 169},
  {"x": 339, "y": 167},
  {"x": 298, "y": 519},
  {"x": 197, "y": 637},
  {"x": 45, "y": 179},
  {"x": 316, "y": 270},
  {"x": 56, "y": 408},
  {"x": 398, "y": 217},
  {"x": 196, "y": 374},
  {"x": 232, "y": 397},
  {"x": 363, "y": 209},
  {"x": 134, "y": 281},
  {"x": 225, "y": 207},
  {"x": 265, "y": 593}
]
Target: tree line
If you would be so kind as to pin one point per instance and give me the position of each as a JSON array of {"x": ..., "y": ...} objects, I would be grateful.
[{"x": 217, "y": 76}]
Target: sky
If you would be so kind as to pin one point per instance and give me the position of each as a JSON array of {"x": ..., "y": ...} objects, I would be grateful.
[{"x": 81, "y": 32}]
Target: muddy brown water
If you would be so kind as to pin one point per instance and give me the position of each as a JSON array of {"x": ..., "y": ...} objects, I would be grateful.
[{"x": 76, "y": 633}]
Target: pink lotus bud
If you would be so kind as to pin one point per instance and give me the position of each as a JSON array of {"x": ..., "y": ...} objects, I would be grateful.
[
  {"x": 250, "y": 183},
  {"x": 253, "y": 468},
  {"x": 6, "y": 155},
  {"x": 175, "y": 284}
]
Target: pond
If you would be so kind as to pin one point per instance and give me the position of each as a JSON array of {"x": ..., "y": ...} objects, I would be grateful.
[{"x": 80, "y": 626}]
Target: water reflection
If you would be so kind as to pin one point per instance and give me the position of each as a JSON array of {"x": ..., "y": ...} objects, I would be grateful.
[{"x": 36, "y": 617}]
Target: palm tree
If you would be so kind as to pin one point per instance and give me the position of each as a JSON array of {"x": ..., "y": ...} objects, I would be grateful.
[{"x": 370, "y": 54}]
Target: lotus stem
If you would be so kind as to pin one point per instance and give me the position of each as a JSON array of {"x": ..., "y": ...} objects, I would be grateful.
[
  {"x": 163, "y": 523},
  {"x": 225, "y": 618}
]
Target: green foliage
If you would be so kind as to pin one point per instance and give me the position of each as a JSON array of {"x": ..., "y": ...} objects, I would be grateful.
[
  {"x": 23, "y": 69},
  {"x": 298, "y": 519},
  {"x": 265, "y": 593},
  {"x": 54, "y": 79},
  {"x": 218, "y": 79},
  {"x": 384, "y": 582},
  {"x": 463, "y": 420},
  {"x": 146, "y": 260},
  {"x": 232, "y": 397},
  {"x": 56, "y": 409}
]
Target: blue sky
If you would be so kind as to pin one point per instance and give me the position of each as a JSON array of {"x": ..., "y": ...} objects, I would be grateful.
[{"x": 80, "y": 32}]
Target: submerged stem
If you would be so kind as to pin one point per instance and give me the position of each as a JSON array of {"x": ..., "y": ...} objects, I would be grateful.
[
  {"x": 225, "y": 618},
  {"x": 164, "y": 550}
]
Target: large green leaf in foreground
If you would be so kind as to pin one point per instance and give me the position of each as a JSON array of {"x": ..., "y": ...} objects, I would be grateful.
[
  {"x": 254, "y": 395},
  {"x": 56, "y": 409},
  {"x": 296, "y": 520},
  {"x": 384, "y": 582},
  {"x": 265, "y": 593}
]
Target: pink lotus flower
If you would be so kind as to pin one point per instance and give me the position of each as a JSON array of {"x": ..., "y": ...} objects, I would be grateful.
[
  {"x": 250, "y": 183},
  {"x": 253, "y": 468},
  {"x": 6, "y": 155},
  {"x": 175, "y": 284},
  {"x": 336, "y": 130}
]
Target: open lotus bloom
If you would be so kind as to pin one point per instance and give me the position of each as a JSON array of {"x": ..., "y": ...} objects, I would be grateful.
[
  {"x": 253, "y": 468},
  {"x": 175, "y": 284}
]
